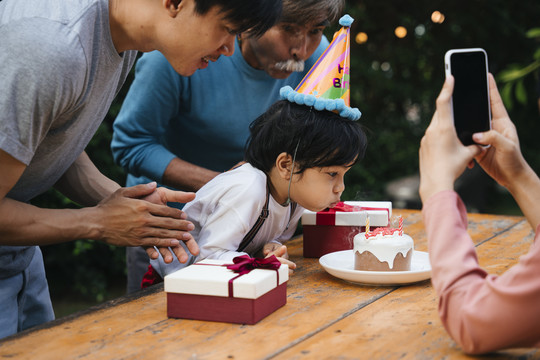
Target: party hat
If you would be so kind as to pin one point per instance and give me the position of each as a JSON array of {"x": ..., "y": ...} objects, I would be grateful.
[{"x": 326, "y": 85}]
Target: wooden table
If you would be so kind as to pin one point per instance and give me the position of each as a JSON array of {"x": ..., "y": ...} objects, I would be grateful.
[{"x": 325, "y": 317}]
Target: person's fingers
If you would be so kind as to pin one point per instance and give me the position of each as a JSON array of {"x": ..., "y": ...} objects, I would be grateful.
[
  {"x": 163, "y": 238},
  {"x": 181, "y": 254},
  {"x": 192, "y": 245},
  {"x": 166, "y": 254},
  {"x": 157, "y": 233},
  {"x": 497, "y": 106},
  {"x": 493, "y": 138},
  {"x": 291, "y": 264},
  {"x": 138, "y": 191},
  {"x": 165, "y": 216},
  {"x": 473, "y": 152},
  {"x": 176, "y": 196},
  {"x": 281, "y": 251},
  {"x": 275, "y": 249},
  {"x": 287, "y": 262},
  {"x": 482, "y": 154},
  {"x": 267, "y": 250},
  {"x": 144, "y": 190},
  {"x": 443, "y": 111},
  {"x": 178, "y": 251},
  {"x": 152, "y": 252}
]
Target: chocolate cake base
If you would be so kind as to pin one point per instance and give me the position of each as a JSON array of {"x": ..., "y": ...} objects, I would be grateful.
[{"x": 366, "y": 261}]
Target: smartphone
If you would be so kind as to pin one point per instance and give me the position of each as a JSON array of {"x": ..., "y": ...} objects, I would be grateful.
[{"x": 470, "y": 99}]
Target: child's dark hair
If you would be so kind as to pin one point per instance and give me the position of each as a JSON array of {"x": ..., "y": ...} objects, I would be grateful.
[{"x": 323, "y": 138}]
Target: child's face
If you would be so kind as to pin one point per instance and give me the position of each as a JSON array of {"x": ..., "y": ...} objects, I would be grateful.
[{"x": 319, "y": 188}]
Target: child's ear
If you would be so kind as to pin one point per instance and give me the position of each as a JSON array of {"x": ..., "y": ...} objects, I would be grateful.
[
  {"x": 172, "y": 6},
  {"x": 284, "y": 165}
]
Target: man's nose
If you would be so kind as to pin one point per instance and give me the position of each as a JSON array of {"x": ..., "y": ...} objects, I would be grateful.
[
  {"x": 299, "y": 48},
  {"x": 227, "y": 48}
]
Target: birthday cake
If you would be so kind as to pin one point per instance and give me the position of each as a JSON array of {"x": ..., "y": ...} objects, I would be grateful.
[{"x": 383, "y": 249}]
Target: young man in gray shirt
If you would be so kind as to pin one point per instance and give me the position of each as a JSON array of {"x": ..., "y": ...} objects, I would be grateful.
[{"x": 62, "y": 65}]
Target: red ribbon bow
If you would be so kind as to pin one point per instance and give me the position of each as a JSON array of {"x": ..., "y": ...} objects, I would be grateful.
[
  {"x": 328, "y": 216},
  {"x": 244, "y": 264},
  {"x": 341, "y": 206}
]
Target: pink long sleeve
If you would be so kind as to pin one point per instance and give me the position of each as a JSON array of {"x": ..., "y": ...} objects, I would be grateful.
[{"x": 481, "y": 312}]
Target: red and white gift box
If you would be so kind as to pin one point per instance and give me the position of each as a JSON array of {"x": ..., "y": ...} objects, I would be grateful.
[
  {"x": 334, "y": 229},
  {"x": 208, "y": 290}
]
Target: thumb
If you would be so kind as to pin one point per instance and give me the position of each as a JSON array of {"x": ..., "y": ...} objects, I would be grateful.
[
  {"x": 177, "y": 196},
  {"x": 281, "y": 251},
  {"x": 491, "y": 137},
  {"x": 269, "y": 248},
  {"x": 139, "y": 191},
  {"x": 474, "y": 150}
]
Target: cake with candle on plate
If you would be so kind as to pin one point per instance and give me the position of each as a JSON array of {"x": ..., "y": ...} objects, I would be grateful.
[{"x": 383, "y": 249}]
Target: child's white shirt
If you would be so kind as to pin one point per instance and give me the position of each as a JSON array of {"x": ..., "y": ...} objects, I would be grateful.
[{"x": 223, "y": 212}]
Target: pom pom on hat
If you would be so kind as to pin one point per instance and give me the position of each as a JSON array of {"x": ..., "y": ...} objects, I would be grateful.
[{"x": 346, "y": 20}]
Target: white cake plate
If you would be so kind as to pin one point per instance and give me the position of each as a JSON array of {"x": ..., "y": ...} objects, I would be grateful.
[{"x": 341, "y": 264}]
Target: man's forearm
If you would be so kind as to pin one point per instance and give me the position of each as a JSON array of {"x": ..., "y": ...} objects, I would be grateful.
[
  {"x": 24, "y": 224},
  {"x": 186, "y": 176},
  {"x": 84, "y": 183}
]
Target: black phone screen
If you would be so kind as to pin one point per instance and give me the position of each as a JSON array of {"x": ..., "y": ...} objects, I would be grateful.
[{"x": 470, "y": 99}]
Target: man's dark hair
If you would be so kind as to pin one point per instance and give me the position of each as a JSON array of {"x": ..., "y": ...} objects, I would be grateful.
[
  {"x": 323, "y": 138},
  {"x": 252, "y": 16},
  {"x": 305, "y": 11}
]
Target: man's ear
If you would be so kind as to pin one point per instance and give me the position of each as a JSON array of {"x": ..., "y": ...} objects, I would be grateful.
[
  {"x": 173, "y": 6},
  {"x": 283, "y": 165}
]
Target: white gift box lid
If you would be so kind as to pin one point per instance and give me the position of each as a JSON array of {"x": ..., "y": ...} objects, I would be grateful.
[
  {"x": 356, "y": 218},
  {"x": 208, "y": 277}
]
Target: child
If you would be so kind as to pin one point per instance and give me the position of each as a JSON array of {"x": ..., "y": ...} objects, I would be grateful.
[{"x": 295, "y": 155}]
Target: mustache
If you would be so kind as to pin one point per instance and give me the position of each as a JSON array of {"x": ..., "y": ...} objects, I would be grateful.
[{"x": 290, "y": 65}]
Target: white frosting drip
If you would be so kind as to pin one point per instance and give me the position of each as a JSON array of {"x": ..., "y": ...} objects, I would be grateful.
[{"x": 384, "y": 247}]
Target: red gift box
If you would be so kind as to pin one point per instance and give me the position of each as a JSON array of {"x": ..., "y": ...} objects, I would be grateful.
[
  {"x": 334, "y": 229},
  {"x": 209, "y": 291}
]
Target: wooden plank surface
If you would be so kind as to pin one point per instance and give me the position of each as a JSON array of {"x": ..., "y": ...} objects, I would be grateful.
[
  {"x": 404, "y": 324},
  {"x": 325, "y": 317}
]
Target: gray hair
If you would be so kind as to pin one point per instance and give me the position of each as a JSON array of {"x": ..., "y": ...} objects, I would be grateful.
[{"x": 306, "y": 11}]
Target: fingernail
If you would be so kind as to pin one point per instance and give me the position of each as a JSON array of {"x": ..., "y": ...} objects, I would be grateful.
[
  {"x": 478, "y": 136},
  {"x": 151, "y": 184},
  {"x": 175, "y": 243},
  {"x": 186, "y": 236}
]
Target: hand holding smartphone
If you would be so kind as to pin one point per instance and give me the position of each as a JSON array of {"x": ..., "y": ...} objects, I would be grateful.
[{"x": 470, "y": 99}]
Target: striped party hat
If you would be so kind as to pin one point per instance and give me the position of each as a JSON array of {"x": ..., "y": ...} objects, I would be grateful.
[{"x": 326, "y": 85}]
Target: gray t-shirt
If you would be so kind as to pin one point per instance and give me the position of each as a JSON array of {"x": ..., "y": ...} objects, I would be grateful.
[{"x": 59, "y": 74}]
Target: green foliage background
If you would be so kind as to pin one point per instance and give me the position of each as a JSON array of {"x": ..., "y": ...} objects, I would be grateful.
[
  {"x": 394, "y": 82},
  {"x": 398, "y": 103}
]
